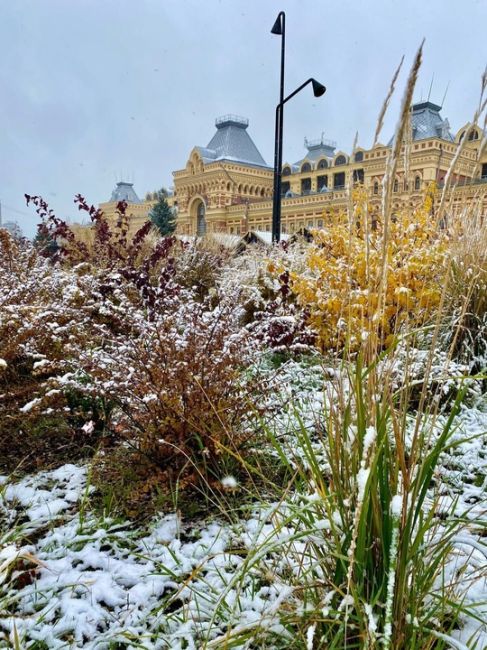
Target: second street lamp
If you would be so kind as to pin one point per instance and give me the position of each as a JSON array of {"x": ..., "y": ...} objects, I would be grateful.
[{"x": 318, "y": 91}]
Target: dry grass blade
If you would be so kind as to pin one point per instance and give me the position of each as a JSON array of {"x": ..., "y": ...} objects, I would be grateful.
[
  {"x": 391, "y": 167},
  {"x": 385, "y": 105}
]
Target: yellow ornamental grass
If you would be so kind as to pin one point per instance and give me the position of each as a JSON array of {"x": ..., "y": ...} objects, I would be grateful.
[{"x": 343, "y": 289}]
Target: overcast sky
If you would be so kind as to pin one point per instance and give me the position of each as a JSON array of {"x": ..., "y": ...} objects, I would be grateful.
[{"x": 92, "y": 91}]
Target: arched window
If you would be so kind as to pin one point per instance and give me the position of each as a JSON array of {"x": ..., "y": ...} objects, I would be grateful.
[
  {"x": 340, "y": 160},
  {"x": 200, "y": 220},
  {"x": 228, "y": 187},
  {"x": 417, "y": 183},
  {"x": 376, "y": 187},
  {"x": 462, "y": 135},
  {"x": 359, "y": 156},
  {"x": 473, "y": 135},
  {"x": 396, "y": 185},
  {"x": 286, "y": 171},
  {"x": 323, "y": 164},
  {"x": 306, "y": 167}
]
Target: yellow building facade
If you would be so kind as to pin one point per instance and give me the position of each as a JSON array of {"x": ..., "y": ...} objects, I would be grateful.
[{"x": 227, "y": 186}]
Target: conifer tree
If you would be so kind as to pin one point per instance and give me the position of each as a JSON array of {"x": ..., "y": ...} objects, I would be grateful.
[
  {"x": 162, "y": 216},
  {"x": 45, "y": 244}
]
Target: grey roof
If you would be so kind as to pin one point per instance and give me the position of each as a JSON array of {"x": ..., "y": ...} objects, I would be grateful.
[
  {"x": 317, "y": 149},
  {"x": 426, "y": 122},
  {"x": 125, "y": 192},
  {"x": 232, "y": 142}
]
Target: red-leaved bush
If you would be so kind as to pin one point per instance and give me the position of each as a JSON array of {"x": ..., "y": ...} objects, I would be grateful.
[
  {"x": 142, "y": 344},
  {"x": 133, "y": 352}
]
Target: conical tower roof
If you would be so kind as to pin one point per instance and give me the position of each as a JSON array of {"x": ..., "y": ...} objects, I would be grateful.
[
  {"x": 125, "y": 192},
  {"x": 426, "y": 122},
  {"x": 232, "y": 142}
]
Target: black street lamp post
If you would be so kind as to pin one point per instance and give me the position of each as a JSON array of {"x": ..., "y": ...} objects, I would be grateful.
[{"x": 279, "y": 28}]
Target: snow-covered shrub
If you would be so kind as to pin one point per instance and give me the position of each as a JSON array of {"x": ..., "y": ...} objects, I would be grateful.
[
  {"x": 48, "y": 315},
  {"x": 178, "y": 389},
  {"x": 144, "y": 346},
  {"x": 269, "y": 308},
  {"x": 204, "y": 267},
  {"x": 51, "y": 311},
  {"x": 9, "y": 249},
  {"x": 133, "y": 353},
  {"x": 199, "y": 265}
]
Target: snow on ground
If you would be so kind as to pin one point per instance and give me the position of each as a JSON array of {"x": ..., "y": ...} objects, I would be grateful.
[
  {"x": 100, "y": 582},
  {"x": 43, "y": 496},
  {"x": 464, "y": 484}
]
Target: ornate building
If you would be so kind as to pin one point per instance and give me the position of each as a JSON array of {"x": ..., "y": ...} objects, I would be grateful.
[
  {"x": 229, "y": 173},
  {"x": 227, "y": 186}
]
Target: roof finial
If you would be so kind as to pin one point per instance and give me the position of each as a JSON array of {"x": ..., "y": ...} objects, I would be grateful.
[
  {"x": 446, "y": 90},
  {"x": 431, "y": 86}
]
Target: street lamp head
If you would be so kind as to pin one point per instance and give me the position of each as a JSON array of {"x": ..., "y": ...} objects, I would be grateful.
[
  {"x": 277, "y": 27},
  {"x": 318, "y": 89}
]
